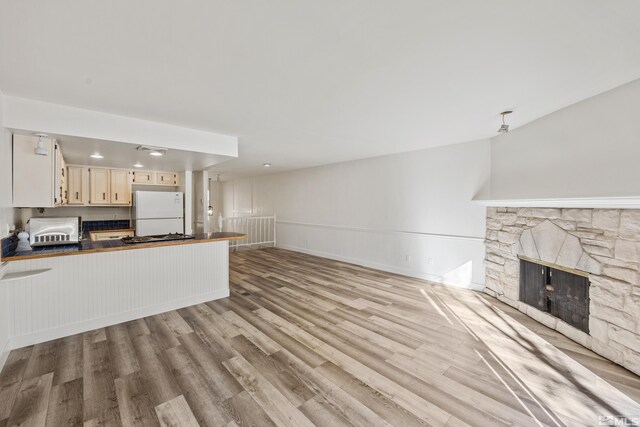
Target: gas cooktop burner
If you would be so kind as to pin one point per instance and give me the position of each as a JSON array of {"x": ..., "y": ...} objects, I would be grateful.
[{"x": 157, "y": 238}]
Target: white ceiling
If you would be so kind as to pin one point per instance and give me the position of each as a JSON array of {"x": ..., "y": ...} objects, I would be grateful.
[
  {"x": 306, "y": 83},
  {"x": 77, "y": 151}
]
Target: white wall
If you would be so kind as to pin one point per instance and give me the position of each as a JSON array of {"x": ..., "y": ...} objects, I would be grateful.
[
  {"x": 215, "y": 200},
  {"x": 589, "y": 149},
  {"x": 6, "y": 202},
  {"x": 200, "y": 201},
  {"x": 186, "y": 187},
  {"x": 4, "y": 318},
  {"x": 409, "y": 213},
  {"x": 6, "y": 220}
]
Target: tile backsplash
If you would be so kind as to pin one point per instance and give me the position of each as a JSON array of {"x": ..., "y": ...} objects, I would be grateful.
[
  {"x": 9, "y": 245},
  {"x": 111, "y": 224}
]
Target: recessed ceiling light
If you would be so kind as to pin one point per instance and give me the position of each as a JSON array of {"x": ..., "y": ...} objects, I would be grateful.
[
  {"x": 97, "y": 156},
  {"x": 156, "y": 153},
  {"x": 138, "y": 165},
  {"x": 266, "y": 165}
]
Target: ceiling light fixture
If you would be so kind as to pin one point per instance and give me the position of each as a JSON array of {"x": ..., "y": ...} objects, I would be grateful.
[
  {"x": 138, "y": 165},
  {"x": 266, "y": 165},
  {"x": 41, "y": 150},
  {"x": 504, "y": 128},
  {"x": 97, "y": 156},
  {"x": 154, "y": 151}
]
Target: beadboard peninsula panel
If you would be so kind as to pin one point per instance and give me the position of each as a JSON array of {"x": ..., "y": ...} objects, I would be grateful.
[{"x": 89, "y": 291}]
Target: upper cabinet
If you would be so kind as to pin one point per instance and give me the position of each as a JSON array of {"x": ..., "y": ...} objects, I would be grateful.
[
  {"x": 144, "y": 177},
  {"x": 155, "y": 178},
  {"x": 99, "y": 186},
  {"x": 166, "y": 178},
  {"x": 99, "y": 181},
  {"x": 38, "y": 179},
  {"x": 120, "y": 187},
  {"x": 75, "y": 184},
  {"x": 61, "y": 191}
]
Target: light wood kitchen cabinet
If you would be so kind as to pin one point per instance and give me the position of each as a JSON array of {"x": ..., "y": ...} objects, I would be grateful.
[
  {"x": 144, "y": 177},
  {"x": 38, "y": 181},
  {"x": 120, "y": 187},
  {"x": 99, "y": 181},
  {"x": 166, "y": 178},
  {"x": 75, "y": 181},
  {"x": 155, "y": 178}
]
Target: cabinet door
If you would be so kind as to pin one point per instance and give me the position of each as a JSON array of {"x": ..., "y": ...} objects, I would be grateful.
[
  {"x": 166, "y": 178},
  {"x": 99, "y": 186},
  {"x": 120, "y": 189},
  {"x": 58, "y": 170},
  {"x": 64, "y": 190},
  {"x": 144, "y": 177},
  {"x": 74, "y": 184}
]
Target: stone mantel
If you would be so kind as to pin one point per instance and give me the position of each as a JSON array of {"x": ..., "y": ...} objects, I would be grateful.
[{"x": 576, "y": 202}]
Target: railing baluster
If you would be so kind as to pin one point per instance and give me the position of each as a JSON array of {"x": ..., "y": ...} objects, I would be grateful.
[{"x": 260, "y": 230}]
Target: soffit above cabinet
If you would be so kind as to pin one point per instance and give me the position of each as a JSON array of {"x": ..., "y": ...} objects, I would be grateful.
[{"x": 122, "y": 155}]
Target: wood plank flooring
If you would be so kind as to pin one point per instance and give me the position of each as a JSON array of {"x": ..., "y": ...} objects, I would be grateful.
[{"x": 307, "y": 341}]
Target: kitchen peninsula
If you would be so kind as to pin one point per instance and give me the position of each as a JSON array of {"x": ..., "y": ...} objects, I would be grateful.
[{"x": 64, "y": 290}]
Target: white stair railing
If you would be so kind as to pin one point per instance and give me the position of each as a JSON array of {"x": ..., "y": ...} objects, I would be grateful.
[{"x": 260, "y": 230}]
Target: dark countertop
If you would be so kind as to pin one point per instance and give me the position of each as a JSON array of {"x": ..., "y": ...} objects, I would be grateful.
[{"x": 86, "y": 246}]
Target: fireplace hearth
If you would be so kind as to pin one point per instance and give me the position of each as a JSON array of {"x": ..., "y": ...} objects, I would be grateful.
[{"x": 561, "y": 293}]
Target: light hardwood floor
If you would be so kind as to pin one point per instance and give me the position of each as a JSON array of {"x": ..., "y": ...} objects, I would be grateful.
[{"x": 309, "y": 341}]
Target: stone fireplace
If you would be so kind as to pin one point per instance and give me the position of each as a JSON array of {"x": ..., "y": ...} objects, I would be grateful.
[{"x": 574, "y": 270}]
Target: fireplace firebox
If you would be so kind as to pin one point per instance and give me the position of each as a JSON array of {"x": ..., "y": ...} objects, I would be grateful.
[{"x": 557, "y": 291}]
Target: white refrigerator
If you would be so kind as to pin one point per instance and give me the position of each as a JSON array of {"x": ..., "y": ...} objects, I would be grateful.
[{"x": 158, "y": 212}]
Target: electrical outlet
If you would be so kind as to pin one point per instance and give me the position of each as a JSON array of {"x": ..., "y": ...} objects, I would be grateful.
[
  {"x": 429, "y": 260},
  {"x": 407, "y": 258}
]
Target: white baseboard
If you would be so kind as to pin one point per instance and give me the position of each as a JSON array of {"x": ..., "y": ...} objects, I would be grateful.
[
  {"x": 384, "y": 267},
  {"x": 114, "y": 319}
]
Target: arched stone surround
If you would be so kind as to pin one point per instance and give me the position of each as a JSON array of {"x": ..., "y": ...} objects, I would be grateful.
[
  {"x": 549, "y": 243},
  {"x": 602, "y": 242}
]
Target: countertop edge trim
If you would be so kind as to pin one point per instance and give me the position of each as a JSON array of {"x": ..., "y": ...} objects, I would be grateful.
[{"x": 120, "y": 248}]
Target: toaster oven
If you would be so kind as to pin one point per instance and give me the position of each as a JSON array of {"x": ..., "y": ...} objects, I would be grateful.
[{"x": 54, "y": 231}]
